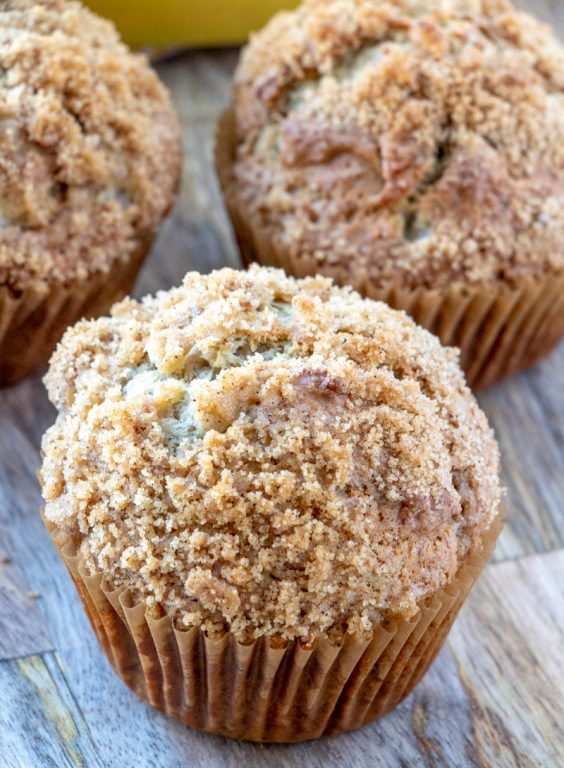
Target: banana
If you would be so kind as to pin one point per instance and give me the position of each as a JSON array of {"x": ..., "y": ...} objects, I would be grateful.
[{"x": 163, "y": 23}]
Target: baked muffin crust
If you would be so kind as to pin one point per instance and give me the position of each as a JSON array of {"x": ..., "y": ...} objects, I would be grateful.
[
  {"x": 408, "y": 142},
  {"x": 270, "y": 456},
  {"x": 89, "y": 145}
]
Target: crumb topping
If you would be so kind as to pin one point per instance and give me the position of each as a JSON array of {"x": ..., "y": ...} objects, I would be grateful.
[
  {"x": 411, "y": 142},
  {"x": 89, "y": 145},
  {"x": 267, "y": 455}
]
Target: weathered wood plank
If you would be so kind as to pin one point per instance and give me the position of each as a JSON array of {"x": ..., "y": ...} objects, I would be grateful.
[
  {"x": 527, "y": 413},
  {"x": 23, "y": 631},
  {"x": 198, "y": 235},
  {"x": 40, "y": 724},
  {"x": 25, "y": 413},
  {"x": 508, "y": 647}
]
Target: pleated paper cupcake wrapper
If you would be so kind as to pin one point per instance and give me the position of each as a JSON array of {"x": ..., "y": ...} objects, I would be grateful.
[
  {"x": 500, "y": 328},
  {"x": 32, "y": 323},
  {"x": 269, "y": 690}
]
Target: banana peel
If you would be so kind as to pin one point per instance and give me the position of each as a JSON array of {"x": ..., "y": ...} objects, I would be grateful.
[{"x": 171, "y": 23}]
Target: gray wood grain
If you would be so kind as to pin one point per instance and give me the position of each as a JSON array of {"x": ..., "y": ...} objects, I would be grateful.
[
  {"x": 40, "y": 723},
  {"x": 490, "y": 699},
  {"x": 508, "y": 648},
  {"x": 23, "y": 630},
  {"x": 527, "y": 414},
  {"x": 198, "y": 235}
]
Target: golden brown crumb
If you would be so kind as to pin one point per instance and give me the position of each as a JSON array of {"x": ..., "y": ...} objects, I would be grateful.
[
  {"x": 89, "y": 145},
  {"x": 409, "y": 142},
  {"x": 274, "y": 456}
]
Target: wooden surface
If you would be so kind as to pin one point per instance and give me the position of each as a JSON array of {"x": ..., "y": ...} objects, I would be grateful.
[{"x": 494, "y": 696}]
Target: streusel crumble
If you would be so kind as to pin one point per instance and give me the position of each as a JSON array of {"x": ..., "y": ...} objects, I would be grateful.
[
  {"x": 267, "y": 455},
  {"x": 89, "y": 146},
  {"x": 413, "y": 143}
]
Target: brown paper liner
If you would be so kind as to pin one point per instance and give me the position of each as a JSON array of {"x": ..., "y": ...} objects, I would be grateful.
[
  {"x": 32, "y": 322},
  {"x": 268, "y": 690},
  {"x": 500, "y": 328}
]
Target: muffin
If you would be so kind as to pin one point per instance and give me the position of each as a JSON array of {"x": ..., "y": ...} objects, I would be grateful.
[
  {"x": 89, "y": 166},
  {"x": 273, "y": 496},
  {"x": 414, "y": 150}
]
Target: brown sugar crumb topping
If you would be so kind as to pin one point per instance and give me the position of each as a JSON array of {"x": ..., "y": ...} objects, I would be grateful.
[
  {"x": 411, "y": 142},
  {"x": 89, "y": 145},
  {"x": 270, "y": 456}
]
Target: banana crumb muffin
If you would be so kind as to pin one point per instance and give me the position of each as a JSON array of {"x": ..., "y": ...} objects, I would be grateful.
[
  {"x": 409, "y": 146},
  {"x": 89, "y": 165},
  {"x": 265, "y": 456}
]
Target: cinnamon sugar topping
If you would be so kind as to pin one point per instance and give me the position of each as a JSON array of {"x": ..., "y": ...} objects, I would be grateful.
[
  {"x": 409, "y": 142},
  {"x": 89, "y": 145},
  {"x": 270, "y": 456}
]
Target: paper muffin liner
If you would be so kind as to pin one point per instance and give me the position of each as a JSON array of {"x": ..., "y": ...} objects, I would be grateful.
[
  {"x": 269, "y": 690},
  {"x": 499, "y": 327},
  {"x": 32, "y": 322}
]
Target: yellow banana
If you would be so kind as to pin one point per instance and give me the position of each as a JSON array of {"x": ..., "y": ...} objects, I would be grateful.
[{"x": 187, "y": 22}]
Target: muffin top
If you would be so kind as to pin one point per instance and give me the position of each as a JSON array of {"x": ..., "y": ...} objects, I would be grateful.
[
  {"x": 267, "y": 455},
  {"x": 89, "y": 145},
  {"x": 413, "y": 142}
]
